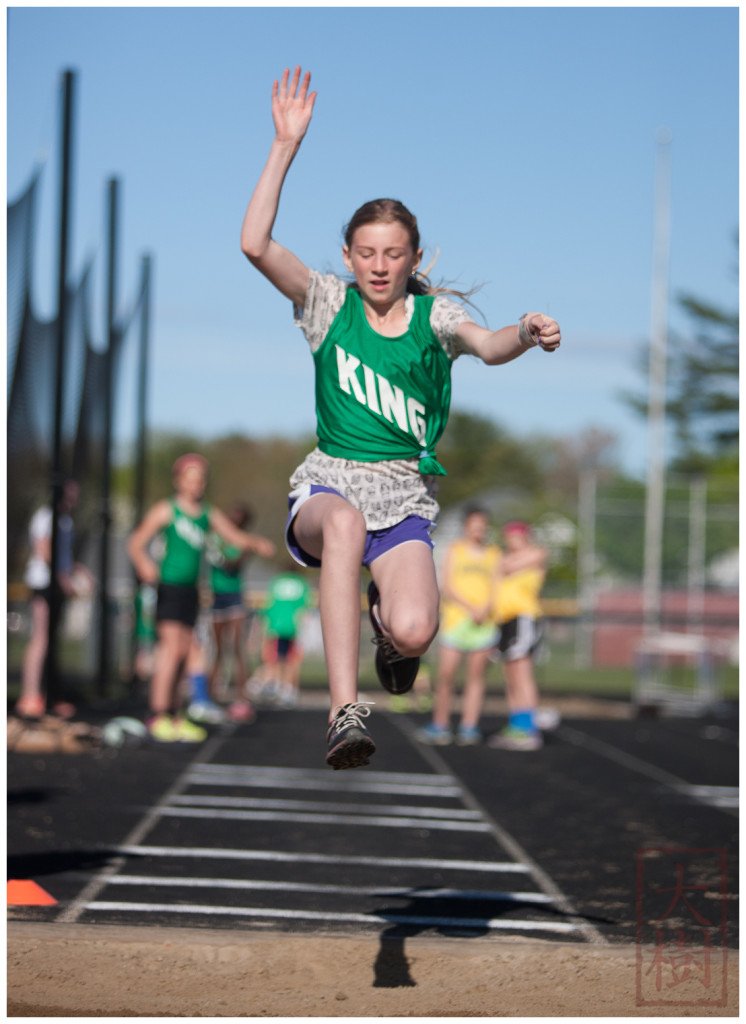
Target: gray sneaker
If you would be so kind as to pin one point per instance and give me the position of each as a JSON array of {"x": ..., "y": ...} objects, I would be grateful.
[
  {"x": 468, "y": 736},
  {"x": 516, "y": 739},
  {"x": 434, "y": 735},
  {"x": 349, "y": 745}
]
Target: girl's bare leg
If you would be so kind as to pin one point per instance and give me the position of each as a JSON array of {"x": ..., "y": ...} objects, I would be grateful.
[
  {"x": 34, "y": 655},
  {"x": 239, "y": 662},
  {"x": 448, "y": 663},
  {"x": 410, "y": 600},
  {"x": 330, "y": 529},
  {"x": 173, "y": 647},
  {"x": 218, "y": 632},
  {"x": 522, "y": 692},
  {"x": 476, "y": 668}
]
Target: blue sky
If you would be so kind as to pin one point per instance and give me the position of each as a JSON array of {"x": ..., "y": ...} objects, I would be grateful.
[{"x": 524, "y": 139}]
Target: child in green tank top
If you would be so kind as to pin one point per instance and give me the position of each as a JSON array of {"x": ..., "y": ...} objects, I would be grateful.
[
  {"x": 183, "y": 522},
  {"x": 383, "y": 348},
  {"x": 228, "y": 612}
]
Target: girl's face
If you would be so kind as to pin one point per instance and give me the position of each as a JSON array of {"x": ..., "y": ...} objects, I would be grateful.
[
  {"x": 191, "y": 482},
  {"x": 239, "y": 518},
  {"x": 476, "y": 527},
  {"x": 515, "y": 540},
  {"x": 382, "y": 259}
]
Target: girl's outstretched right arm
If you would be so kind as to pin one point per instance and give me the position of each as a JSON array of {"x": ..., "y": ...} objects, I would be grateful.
[{"x": 292, "y": 107}]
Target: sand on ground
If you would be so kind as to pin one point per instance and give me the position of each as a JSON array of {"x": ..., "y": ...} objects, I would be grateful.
[{"x": 104, "y": 971}]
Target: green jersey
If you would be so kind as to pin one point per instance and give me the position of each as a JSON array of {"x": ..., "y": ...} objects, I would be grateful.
[
  {"x": 223, "y": 578},
  {"x": 380, "y": 398},
  {"x": 185, "y": 542},
  {"x": 288, "y": 595}
]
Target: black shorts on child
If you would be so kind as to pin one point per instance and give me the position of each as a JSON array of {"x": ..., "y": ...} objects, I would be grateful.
[{"x": 177, "y": 603}]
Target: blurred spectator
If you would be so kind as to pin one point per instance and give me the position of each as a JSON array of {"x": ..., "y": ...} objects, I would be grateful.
[
  {"x": 146, "y": 597},
  {"x": 288, "y": 598},
  {"x": 228, "y": 612},
  {"x": 185, "y": 521},
  {"x": 467, "y": 629},
  {"x": 73, "y": 579},
  {"x": 521, "y": 577}
]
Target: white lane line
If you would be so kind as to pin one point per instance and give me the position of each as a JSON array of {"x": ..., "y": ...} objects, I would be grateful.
[
  {"x": 241, "y": 780},
  {"x": 636, "y": 764},
  {"x": 331, "y": 780},
  {"x": 260, "y": 803},
  {"x": 492, "y": 924},
  {"x": 505, "y": 839},
  {"x": 75, "y": 908},
  {"x": 326, "y": 819},
  {"x": 413, "y": 892},
  {"x": 217, "y": 853},
  {"x": 717, "y": 796}
]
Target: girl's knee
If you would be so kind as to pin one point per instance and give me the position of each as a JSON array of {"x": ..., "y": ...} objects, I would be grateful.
[
  {"x": 413, "y": 630},
  {"x": 344, "y": 524}
]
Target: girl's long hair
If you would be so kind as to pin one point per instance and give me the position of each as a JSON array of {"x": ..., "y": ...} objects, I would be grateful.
[{"x": 388, "y": 211}]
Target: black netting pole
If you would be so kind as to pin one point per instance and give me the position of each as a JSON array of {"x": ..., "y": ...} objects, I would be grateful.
[
  {"x": 141, "y": 426},
  {"x": 104, "y": 636},
  {"x": 141, "y": 442},
  {"x": 58, "y": 474}
]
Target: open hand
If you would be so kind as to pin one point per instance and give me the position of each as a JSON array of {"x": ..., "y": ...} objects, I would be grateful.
[
  {"x": 544, "y": 330},
  {"x": 148, "y": 573},
  {"x": 264, "y": 548},
  {"x": 292, "y": 106}
]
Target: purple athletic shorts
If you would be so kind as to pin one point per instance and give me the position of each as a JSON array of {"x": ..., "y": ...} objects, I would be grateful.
[{"x": 377, "y": 542}]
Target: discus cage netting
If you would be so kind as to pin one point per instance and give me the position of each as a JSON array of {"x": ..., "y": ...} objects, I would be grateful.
[{"x": 31, "y": 375}]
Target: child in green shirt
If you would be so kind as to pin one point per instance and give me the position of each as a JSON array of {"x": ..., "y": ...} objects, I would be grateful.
[
  {"x": 184, "y": 522},
  {"x": 288, "y": 598},
  {"x": 383, "y": 348}
]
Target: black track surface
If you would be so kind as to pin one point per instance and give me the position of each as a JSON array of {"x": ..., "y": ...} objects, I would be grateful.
[{"x": 252, "y": 831}]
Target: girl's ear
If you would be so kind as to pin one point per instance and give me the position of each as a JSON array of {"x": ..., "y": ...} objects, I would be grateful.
[
  {"x": 346, "y": 258},
  {"x": 417, "y": 260}
]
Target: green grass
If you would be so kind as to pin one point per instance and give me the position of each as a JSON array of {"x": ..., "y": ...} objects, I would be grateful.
[{"x": 558, "y": 675}]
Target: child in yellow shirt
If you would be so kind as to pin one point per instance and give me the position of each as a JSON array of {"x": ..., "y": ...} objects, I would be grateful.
[{"x": 518, "y": 613}]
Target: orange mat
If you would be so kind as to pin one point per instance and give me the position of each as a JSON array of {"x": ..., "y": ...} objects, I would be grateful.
[{"x": 28, "y": 894}]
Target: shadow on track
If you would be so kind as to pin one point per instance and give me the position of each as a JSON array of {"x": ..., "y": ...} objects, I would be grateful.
[{"x": 55, "y": 862}]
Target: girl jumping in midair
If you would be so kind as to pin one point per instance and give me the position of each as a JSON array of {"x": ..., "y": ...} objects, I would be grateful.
[{"x": 383, "y": 346}]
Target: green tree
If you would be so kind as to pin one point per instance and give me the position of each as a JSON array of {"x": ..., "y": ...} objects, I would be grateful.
[
  {"x": 702, "y": 386},
  {"x": 479, "y": 455}
]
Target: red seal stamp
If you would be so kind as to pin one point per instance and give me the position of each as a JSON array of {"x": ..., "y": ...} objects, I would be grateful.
[{"x": 682, "y": 920}]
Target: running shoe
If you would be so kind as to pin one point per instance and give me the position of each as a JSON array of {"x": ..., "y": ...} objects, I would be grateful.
[
  {"x": 188, "y": 732},
  {"x": 349, "y": 745},
  {"x": 206, "y": 711},
  {"x": 287, "y": 696},
  {"x": 396, "y": 673},
  {"x": 162, "y": 728},
  {"x": 241, "y": 711},
  {"x": 468, "y": 736},
  {"x": 435, "y": 735},
  {"x": 547, "y": 719},
  {"x": 511, "y": 738}
]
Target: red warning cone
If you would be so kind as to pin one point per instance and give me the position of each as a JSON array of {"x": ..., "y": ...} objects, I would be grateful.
[{"x": 26, "y": 893}]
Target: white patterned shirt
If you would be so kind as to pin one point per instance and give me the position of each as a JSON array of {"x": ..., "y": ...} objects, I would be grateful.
[{"x": 388, "y": 491}]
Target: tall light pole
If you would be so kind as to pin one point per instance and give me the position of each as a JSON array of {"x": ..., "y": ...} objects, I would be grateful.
[
  {"x": 586, "y": 564},
  {"x": 655, "y": 491},
  {"x": 697, "y": 553}
]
